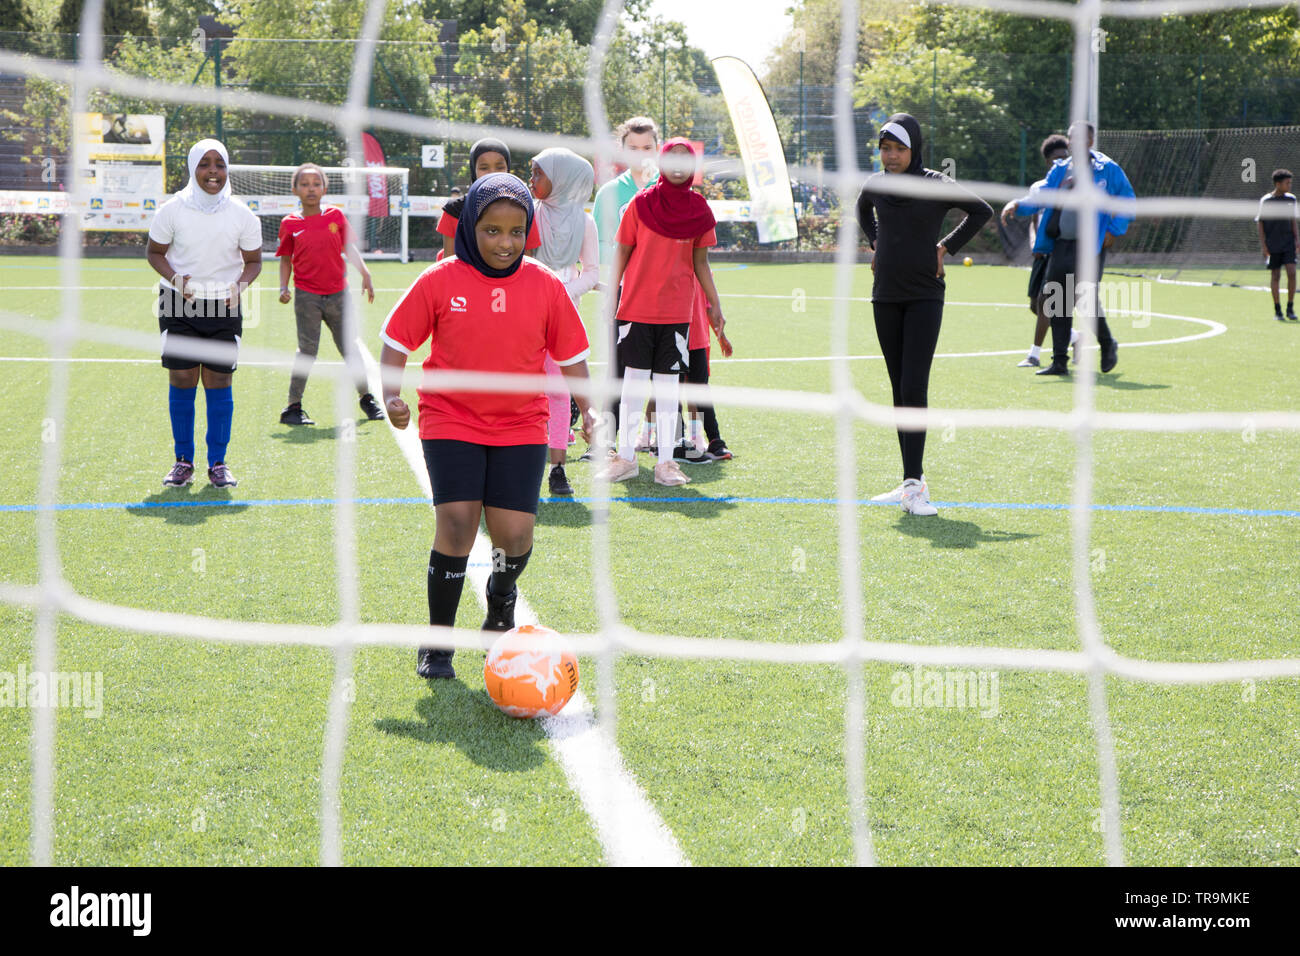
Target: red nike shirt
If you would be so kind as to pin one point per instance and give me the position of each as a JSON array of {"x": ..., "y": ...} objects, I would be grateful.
[
  {"x": 316, "y": 245},
  {"x": 482, "y": 324}
]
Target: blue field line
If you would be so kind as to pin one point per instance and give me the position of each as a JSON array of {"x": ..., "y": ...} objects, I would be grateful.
[{"x": 650, "y": 499}]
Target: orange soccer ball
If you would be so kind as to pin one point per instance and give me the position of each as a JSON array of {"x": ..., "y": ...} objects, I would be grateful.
[{"x": 529, "y": 672}]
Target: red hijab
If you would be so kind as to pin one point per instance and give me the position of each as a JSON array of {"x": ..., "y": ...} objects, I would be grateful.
[{"x": 675, "y": 211}]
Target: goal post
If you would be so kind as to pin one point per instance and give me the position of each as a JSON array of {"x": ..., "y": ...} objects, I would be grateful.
[{"x": 378, "y": 193}]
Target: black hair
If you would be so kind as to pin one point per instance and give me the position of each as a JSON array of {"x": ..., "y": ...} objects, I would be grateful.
[
  {"x": 1054, "y": 143},
  {"x": 309, "y": 167},
  {"x": 1281, "y": 174}
]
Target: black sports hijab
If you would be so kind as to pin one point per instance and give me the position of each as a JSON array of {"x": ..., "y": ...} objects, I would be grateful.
[{"x": 482, "y": 194}]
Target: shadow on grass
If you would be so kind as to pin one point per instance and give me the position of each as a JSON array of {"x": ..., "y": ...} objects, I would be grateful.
[
  {"x": 1113, "y": 380},
  {"x": 304, "y": 434},
  {"x": 451, "y": 713},
  {"x": 947, "y": 533},
  {"x": 683, "y": 499},
  {"x": 180, "y": 506},
  {"x": 1121, "y": 384}
]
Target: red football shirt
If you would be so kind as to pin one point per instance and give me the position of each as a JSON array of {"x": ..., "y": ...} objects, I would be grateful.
[
  {"x": 447, "y": 226},
  {"x": 699, "y": 337},
  {"x": 316, "y": 244},
  {"x": 659, "y": 282},
  {"x": 487, "y": 325}
]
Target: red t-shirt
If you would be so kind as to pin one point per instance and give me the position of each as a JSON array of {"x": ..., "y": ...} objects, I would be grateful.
[
  {"x": 316, "y": 244},
  {"x": 447, "y": 226},
  {"x": 487, "y": 325},
  {"x": 699, "y": 338},
  {"x": 659, "y": 282}
]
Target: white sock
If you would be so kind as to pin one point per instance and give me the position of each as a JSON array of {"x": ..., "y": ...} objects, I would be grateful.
[
  {"x": 1074, "y": 336},
  {"x": 666, "y": 388},
  {"x": 697, "y": 432},
  {"x": 636, "y": 389},
  {"x": 1035, "y": 351}
]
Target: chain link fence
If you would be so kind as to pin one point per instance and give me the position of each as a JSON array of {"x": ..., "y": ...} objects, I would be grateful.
[{"x": 983, "y": 117}]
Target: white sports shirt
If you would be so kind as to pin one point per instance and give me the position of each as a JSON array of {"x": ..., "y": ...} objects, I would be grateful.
[{"x": 206, "y": 246}]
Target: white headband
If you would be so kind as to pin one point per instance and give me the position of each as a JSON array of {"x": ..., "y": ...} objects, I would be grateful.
[{"x": 896, "y": 131}]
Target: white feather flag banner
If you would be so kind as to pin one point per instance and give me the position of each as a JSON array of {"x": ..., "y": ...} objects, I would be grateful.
[{"x": 760, "y": 150}]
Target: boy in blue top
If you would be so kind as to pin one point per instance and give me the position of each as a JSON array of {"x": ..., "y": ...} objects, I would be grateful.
[
  {"x": 1278, "y": 239},
  {"x": 1062, "y": 226},
  {"x": 1054, "y": 147}
]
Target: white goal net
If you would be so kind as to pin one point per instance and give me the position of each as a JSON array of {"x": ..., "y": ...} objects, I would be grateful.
[{"x": 383, "y": 233}]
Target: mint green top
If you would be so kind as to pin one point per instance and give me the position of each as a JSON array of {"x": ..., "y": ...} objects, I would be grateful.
[{"x": 612, "y": 200}]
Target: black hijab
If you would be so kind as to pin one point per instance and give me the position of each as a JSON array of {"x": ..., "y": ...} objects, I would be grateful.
[
  {"x": 482, "y": 194},
  {"x": 487, "y": 145},
  {"x": 903, "y": 128}
]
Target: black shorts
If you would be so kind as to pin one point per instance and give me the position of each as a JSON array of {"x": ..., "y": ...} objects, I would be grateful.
[
  {"x": 209, "y": 319},
  {"x": 500, "y": 476},
  {"x": 697, "y": 371},
  {"x": 1276, "y": 260},
  {"x": 1036, "y": 273},
  {"x": 659, "y": 348}
]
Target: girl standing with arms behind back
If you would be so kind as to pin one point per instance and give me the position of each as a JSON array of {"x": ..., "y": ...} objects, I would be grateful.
[{"x": 908, "y": 288}]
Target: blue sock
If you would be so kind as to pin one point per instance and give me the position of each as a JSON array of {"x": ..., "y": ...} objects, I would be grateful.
[
  {"x": 221, "y": 409},
  {"x": 180, "y": 402}
]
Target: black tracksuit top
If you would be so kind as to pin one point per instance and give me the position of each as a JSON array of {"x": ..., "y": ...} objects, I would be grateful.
[{"x": 905, "y": 232}]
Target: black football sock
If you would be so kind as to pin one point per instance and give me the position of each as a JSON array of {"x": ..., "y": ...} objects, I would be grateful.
[
  {"x": 446, "y": 580},
  {"x": 506, "y": 571}
]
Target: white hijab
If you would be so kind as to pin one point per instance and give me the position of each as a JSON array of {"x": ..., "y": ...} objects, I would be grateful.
[
  {"x": 193, "y": 195},
  {"x": 561, "y": 220}
]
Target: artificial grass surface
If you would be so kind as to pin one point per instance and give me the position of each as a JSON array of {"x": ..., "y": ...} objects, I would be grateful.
[{"x": 208, "y": 753}]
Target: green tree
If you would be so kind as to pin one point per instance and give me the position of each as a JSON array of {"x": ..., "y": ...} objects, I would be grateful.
[
  {"x": 16, "y": 17},
  {"x": 959, "y": 125},
  {"x": 523, "y": 75},
  {"x": 579, "y": 17},
  {"x": 121, "y": 17},
  {"x": 322, "y": 71},
  {"x": 180, "y": 18}
]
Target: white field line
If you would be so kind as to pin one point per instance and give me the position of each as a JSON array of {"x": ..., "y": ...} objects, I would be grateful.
[
  {"x": 630, "y": 829},
  {"x": 1213, "y": 328}
]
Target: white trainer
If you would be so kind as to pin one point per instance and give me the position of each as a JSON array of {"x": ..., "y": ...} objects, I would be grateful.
[
  {"x": 896, "y": 495},
  {"x": 916, "y": 499}
]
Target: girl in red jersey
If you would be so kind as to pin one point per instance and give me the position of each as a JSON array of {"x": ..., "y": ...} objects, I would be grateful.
[
  {"x": 487, "y": 309},
  {"x": 662, "y": 251},
  {"x": 312, "y": 247},
  {"x": 485, "y": 156}
]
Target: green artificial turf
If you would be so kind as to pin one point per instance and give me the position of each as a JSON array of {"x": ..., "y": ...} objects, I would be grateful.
[{"x": 211, "y": 753}]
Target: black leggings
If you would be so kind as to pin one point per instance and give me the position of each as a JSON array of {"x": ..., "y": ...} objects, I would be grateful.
[
  {"x": 697, "y": 373},
  {"x": 909, "y": 333}
]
